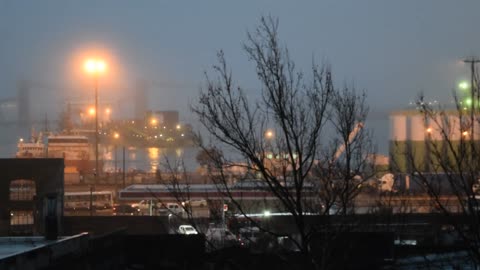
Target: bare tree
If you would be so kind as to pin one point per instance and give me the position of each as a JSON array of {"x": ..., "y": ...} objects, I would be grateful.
[
  {"x": 278, "y": 136},
  {"x": 448, "y": 170},
  {"x": 348, "y": 167}
]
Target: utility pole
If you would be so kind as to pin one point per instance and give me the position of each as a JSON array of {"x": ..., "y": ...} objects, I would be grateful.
[
  {"x": 92, "y": 188},
  {"x": 474, "y": 95}
]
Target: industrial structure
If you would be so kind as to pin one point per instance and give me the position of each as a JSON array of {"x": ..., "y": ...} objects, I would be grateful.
[{"x": 413, "y": 135}]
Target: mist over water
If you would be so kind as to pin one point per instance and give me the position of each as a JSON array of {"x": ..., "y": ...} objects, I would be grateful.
[
  {"x": 9, "y": 137},
  {"x": 151, "y": 159}
]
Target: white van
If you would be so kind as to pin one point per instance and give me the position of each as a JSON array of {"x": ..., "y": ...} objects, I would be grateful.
[
  {"x": 170, "y": 208},
  {"x": 187, "y": 229}
]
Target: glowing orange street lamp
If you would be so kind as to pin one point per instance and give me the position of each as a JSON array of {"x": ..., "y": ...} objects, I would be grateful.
[
  {"x": 91, "y": 111},
  {"x": 95, "y": 67},
  {"x": 269, "y": 134}
]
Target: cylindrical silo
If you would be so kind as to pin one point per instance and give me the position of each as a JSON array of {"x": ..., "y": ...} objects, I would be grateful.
[
  {"x": 454, "y": 128},
  {"x": 417, "y": 128},
  {"x": 418, "y": 132},
  {"x": 435, "y": 124},
  {"x": 398, "y": 142},
  {"x": 398, "y": 127}
]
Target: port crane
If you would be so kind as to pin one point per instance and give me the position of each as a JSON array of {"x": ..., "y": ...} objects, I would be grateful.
[{"x": 351, "y": 136}]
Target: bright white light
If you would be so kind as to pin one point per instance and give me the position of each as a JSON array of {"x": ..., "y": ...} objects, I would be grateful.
[
  {"x": 95, "y": 66},
  {"x": 463, "y": 85}
]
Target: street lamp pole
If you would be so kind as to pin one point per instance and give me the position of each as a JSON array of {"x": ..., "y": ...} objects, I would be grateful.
[
  {"x": 115, "y": 153},
  {"x": 95, "y": 67},
  {"x": 123, "y": 171},
  {"x": 96, "y": 129},
  {"x": 115, "y": 136}
]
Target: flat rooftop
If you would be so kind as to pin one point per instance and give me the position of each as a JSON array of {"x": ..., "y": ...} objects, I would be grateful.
[{"x": 12, "y": 246}]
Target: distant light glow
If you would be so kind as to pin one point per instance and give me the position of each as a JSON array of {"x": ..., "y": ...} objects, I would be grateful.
[
  {"x": 465, "y": 133},
  {"x": 269, "y": 134},
  {"x": 468, "y": 101},
  {"x": 95, "y": 66},
  {"x": 463, "y": 85},
  {"x": 153, "y": 121},
  {"x": 108, "y": 111},
  {"x": 91, "y": 111},
  {"x": 429, "y": 130},
  {"x": 178, "y": 126},
  {"x": 266, "y": 213},
  {"x": 116, "y": 135}
]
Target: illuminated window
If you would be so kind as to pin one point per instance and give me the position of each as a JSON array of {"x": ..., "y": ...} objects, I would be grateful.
[
  {"x": 21, "y": 217},
  {"x": 22, "y": 190},
  {"x": 21, "y": 222}
]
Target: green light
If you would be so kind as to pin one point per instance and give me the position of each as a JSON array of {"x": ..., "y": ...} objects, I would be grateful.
[
  {"x": 463, "y": 85},
  {"x": 468, "y": 101}
]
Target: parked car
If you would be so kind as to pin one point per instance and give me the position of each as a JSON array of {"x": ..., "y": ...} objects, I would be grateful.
[
  {"x": 286, "y": 243},
  {"x": 125, "y": 209},
  {"x": 170, "y": 208},
  {"x": 222, "y": 237},
  {"x": 143, "y": 204},
  {"x": 187, "y": 229},
  {"x": 249, "y": 235}
]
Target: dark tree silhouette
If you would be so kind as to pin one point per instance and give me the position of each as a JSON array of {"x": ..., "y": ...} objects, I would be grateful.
[{"x": 281, "y": 137}]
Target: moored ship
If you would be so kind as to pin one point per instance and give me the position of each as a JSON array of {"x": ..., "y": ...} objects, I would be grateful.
[
  {"x": 74, "y": 149},
  {"x": 35, "y": 148}
]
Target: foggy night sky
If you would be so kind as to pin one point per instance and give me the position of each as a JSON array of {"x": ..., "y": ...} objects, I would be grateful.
[{"x": 392, "y": 49}]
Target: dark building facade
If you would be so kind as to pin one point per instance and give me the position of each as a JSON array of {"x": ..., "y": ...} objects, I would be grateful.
[{"x": 31, "y": 196}]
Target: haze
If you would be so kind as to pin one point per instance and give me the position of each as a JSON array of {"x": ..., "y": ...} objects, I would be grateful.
[{"x": 393, "y": 50}]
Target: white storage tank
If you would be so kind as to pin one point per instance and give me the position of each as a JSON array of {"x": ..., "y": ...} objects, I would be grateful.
[
  {"x": 418, "y": 129},
  {"x": 435, "y": 125},
  {"x": 453, "y": 127},
  {"x": 398, "y": 127}
]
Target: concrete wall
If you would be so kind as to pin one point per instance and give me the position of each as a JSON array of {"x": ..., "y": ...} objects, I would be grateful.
[{"x": 104, "y": 224}]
